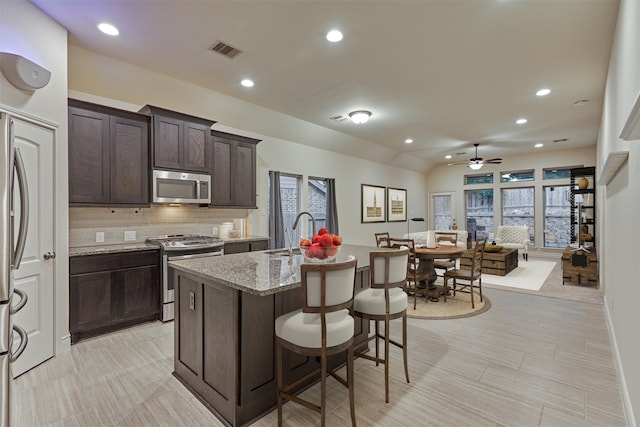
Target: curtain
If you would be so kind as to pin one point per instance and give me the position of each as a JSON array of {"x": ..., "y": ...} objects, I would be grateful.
[
  {"x": 276, "y": 222},
  {"x": 332, "y": 208}
]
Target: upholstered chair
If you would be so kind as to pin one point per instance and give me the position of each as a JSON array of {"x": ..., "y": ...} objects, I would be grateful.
[{"x": 514, "y": 237}]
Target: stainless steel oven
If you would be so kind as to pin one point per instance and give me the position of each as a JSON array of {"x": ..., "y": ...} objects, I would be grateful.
[{"x": 179, "y": 247}]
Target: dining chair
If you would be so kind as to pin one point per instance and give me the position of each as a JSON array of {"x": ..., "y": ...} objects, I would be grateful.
[
  {"x": 415, "y": 276},
  {"x": 447, "y": 238},
  {"x": 321, "y": 328},
  {"x": 470, "y": 276},
  {"x": 385, "y": 300},
  {"x": 382, "y": 239}
]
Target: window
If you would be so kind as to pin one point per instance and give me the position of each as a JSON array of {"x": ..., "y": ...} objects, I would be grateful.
[
  {"x": 317, "y": 203},
  {"x": 479, "y": 213},
  {"x": 518, "y": 208},
  {"x": 557, "y": 216},
  {"x": 517, "y": 176},
  {"x": 485, "y": 178},
  {"x": 555, "y": 173}
]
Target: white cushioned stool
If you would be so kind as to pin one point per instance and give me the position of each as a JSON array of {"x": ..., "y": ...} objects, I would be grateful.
[
  {"x": 385, "y": 300},
  {"x": 322, "y": 327}
]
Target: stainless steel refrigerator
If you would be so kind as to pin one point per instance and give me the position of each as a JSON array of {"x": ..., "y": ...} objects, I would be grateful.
[{"x": 13, "y": 233}]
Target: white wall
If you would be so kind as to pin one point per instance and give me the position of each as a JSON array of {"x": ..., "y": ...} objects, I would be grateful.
[
  {"x": 26, "y": 31},
  {"x": 451, "y": 179},
  {"x": 96, "y": 78},
  {"x": 618, "y": 251}
]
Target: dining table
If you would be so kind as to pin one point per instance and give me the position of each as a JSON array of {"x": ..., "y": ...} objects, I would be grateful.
[{"x": 426, "y": 265}]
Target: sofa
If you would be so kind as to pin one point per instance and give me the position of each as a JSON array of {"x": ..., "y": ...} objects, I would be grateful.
[
  {"x": 420, "y": 237},
  {"x": 514, "y": 237}
]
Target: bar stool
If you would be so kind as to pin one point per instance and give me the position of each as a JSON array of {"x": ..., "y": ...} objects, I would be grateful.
[
  {"x": 385, "y": 300},
  {"x": 322, "y": 327}
]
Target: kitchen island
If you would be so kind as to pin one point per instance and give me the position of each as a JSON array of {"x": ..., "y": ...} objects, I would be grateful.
[{"x": 224, "y": 328}]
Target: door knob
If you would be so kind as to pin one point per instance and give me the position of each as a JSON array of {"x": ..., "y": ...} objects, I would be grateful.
[{"x": 49, "y": 255}]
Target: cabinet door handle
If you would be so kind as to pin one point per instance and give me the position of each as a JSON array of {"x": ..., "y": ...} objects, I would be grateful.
[{"x": 192, "y": 301}]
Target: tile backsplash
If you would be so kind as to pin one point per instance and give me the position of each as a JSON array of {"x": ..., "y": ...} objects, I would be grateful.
[{"x": 153, "y": 221}]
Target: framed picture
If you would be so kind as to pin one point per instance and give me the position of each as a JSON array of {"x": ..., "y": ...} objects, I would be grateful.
[
  {"x": 373, "y": 203},
  {"x": 396, "y": 205}
]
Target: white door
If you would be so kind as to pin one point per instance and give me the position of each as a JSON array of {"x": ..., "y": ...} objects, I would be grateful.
[
  {"x": 443, "y": 211},
  {"x": 35, "y": 275}
]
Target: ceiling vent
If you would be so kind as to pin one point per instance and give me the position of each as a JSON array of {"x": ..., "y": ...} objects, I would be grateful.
[
  {"x": 339, "y": 118},
  {"x": 224, "y": 49}
]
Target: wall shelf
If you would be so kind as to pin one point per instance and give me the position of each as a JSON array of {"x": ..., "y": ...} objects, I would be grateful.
[
  {"x": 614, "y": 161},
  {"x": 631, "y": 129}
]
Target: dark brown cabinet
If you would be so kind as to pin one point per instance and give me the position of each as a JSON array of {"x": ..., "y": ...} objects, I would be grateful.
[
  {"x": 233, "y": 170},
  {"x": 247, "y": 246},
  {"x": 179, "y": 141},
  {"x": 111, "y": 291},
  {"x": 108, "y": 156}
]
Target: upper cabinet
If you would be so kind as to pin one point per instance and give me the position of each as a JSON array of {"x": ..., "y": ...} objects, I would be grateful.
[
  {"x": 108, "y": 156},
  {"x": 179, "y": 141},
  {"x": 233, "y": 170}
]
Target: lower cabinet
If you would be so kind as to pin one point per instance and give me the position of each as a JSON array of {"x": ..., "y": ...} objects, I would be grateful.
[
  {"x": 112, "y": 291},
  {"x": 247, "y": 246},
  {"x": 225, "y": 346}
]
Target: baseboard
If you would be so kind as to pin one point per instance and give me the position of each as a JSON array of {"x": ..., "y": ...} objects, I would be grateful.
[
  {"x": 64, "y": 345},
  {"x": 626, "y": 399}
]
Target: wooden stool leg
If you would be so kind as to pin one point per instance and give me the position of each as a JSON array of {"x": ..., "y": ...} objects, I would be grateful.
[
  {"x": 471, "y": 290},
  {"x": 377, "y": 336},
  {"x": 350, "y": 381},
  {"x": 323, "y": 387},
  {"x": 404, "y": 346},
  {"x": 279, "y": 380},
  {"x": 386, "y": 360}
]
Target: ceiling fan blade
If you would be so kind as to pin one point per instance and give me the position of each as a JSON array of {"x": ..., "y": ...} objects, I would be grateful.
[{"x": 496, "y": 161}]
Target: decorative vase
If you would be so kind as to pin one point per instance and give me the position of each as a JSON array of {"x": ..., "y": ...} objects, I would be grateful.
[
  {"x": 431, "y": 239},
  {"x": 583, "y": 183}
]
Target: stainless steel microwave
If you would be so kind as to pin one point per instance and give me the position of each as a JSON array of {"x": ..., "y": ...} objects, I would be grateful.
[{"x": 181, "y": 187}]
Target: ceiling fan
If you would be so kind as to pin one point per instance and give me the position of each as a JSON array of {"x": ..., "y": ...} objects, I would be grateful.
[{"x": 476, "y": 162}]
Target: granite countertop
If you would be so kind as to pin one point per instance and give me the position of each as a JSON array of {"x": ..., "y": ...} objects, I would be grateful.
[
  {"x": 140, "y": 246},
  {"x": 109, "y": 249},
  {"x": 261, "y": 273}
]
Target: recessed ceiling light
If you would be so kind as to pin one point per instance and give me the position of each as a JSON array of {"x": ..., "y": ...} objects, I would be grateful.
[
  {"x": 108, "y": 29},
  {"x": 247, "y": 83},
  {"x": 543, "y": 92},
  {"x": 334, "y": 36},
  {"x": 521, "y": 121},
  {"x": 538, "y": 145},
  {"x": 448, "y": 156},
  {"x": 408, "y": 141}
]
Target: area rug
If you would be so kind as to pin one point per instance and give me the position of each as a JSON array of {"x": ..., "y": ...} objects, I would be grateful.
[
  {"x": 455, "y": 307},
  {"x": 528, "y": 275}
]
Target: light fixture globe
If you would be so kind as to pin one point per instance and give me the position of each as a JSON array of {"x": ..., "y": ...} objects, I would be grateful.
[
  {"x": 359, "y": 117},
  {"x": 475, "y": 166}
]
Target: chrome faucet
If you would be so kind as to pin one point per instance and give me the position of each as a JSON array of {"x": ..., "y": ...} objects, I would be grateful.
[
  {"x": 313, "y": 221},
  {"x": 288, "y": 234}
]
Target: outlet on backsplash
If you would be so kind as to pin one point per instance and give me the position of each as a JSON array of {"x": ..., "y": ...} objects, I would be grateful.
[
  {"x": 214, "y": 231},
  {"x": 129, "y": 236},
  {"x": 99, "y": 236}
]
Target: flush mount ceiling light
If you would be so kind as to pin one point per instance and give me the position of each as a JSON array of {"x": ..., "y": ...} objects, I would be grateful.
[
  {"x": 334, "y": 36},
  {"x": 108, "y": 29},
  {"x": 543, "y": 92},
  {"x": 408, "y": 141},
  {"x": 247, "y": 83},
  {"x": 359, "y": 117}
]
